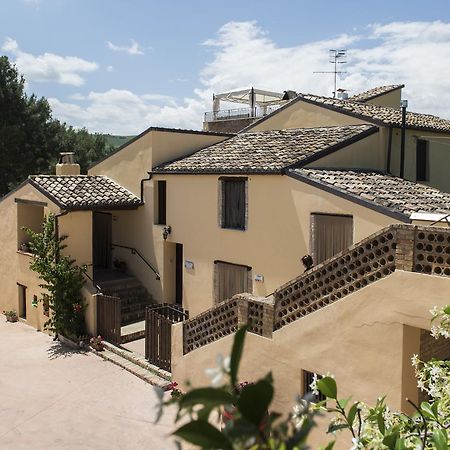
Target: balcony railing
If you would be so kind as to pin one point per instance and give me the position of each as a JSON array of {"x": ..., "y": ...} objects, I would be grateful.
[{"x": 241, "y": 113}]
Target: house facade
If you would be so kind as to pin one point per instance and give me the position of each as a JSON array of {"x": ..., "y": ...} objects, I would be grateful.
[{"x": 299, "y": 224}]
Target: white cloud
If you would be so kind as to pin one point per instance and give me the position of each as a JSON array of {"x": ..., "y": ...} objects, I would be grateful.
[
  {"x": 49, "y": 67},
  {"x": 133, "y": 49},
  {"x": 244, "y": 55},
  {"x": 110, "y": 69},
  {"x": 123, "y": 112}
]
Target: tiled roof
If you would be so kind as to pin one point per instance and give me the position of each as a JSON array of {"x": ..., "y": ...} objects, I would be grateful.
[
  {"x": 266, "y": 151},
  {"x": 383, "y": 190},
  {"x": 379, "y": 114},
  {"x": 375, "y": 92},
  {"x": 85, "y": 192}
]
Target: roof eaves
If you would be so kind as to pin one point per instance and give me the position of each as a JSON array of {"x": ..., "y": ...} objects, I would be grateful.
[
  {"x": 43, "y": 191},
  {"x": 334, "y": 148},
  {"x": 277, "y": 171},
  {"x": 353, "y": 198}
]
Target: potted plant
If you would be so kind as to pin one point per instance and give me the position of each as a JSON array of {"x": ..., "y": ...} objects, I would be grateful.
[
  {"x": 11, "y": 316},
  {"x": 97, "y": 343}
]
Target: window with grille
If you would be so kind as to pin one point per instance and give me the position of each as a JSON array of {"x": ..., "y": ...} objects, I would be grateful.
[
  {"x": 233, "y": 199},
  {"x": 308, "y": 378}
]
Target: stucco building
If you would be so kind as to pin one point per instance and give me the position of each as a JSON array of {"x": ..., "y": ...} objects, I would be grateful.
[{"x": 198, "y": 217}]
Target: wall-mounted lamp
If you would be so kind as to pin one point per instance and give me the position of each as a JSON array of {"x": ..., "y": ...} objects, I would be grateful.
[
  {"x": 167, "y": 230},
  {"x": 307, "y": 262}
]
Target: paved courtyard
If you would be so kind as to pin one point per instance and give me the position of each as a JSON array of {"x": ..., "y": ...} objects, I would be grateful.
[{"x": 54, "y": 398}]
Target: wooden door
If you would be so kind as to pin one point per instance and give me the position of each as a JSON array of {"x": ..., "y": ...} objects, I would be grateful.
[{"x": 102, "y": 240}]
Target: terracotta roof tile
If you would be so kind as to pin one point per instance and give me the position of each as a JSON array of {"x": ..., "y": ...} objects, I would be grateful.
[
  {"x": 85, "y": 192},
  {"x": 264, "y": 151},
  {"x": 396, "y": 194},
  {"x": 381, "y": 114}
]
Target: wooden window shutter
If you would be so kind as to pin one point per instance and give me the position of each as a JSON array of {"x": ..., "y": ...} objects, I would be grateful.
[
  {"x": 233, "y": 203},
  {"x": 330, "y": 234},
  {"x": 161, "y": 203}
]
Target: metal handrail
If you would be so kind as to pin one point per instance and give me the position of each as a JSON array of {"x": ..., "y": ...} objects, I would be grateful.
[
  {"x": 240, "y": 113},
  {"x": 135, "y": 251},
  {"x": 99, "y": 289}
]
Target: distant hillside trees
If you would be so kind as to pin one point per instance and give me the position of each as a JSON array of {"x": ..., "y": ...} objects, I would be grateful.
[{"x": 30, "y": 138}]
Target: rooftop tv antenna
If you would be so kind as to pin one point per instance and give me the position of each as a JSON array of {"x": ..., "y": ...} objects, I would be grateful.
[{"x": 336, "y": 57}]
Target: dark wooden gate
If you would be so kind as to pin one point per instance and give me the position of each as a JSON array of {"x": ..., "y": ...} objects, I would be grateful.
[
  {"x": 109, "y": 318},
  {"x": 158, "y": 332}
]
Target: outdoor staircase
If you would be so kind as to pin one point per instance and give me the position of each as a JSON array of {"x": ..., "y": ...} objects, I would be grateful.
[{"x": 133, "y": 295}]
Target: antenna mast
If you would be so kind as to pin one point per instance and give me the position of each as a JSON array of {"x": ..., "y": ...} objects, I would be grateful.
[{"x": 336, "y": 57}]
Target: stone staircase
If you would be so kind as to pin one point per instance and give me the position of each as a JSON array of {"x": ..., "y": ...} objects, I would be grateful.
[{"x": 133, "y": 295}]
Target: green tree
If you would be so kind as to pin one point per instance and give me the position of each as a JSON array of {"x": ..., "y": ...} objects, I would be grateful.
[{"x": 30, "y": 138}]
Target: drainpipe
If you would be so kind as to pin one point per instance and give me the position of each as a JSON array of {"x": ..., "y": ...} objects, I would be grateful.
[
  {"x": 389, "y": 154},
  {"x": 142, "y": 185},
  {"x": 403, "y": 105}
]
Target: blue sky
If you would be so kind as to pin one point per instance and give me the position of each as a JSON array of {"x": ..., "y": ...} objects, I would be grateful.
[{"x": 119, "y": 66}]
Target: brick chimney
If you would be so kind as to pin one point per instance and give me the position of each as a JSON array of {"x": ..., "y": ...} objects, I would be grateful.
[{"x": 67, "y": 164}]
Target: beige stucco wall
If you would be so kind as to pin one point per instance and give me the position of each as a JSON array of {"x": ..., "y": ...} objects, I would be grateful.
[
  {"x": 391, "y": 99},
  {"x": 14, "y": 265},
  {"x": 301, "y": 114},
  {"x": 132, "y": 163},
  {"x": 367, "y": 153},
  {"x": 439, "y": 156},
  {"x": 278, "y": 233},
  {"x": 361, "y": 339}
]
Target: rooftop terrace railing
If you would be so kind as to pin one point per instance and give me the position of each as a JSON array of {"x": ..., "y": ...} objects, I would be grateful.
[
  {"x": 410, "y": 248},
  {"x": 240, "y": 113}
]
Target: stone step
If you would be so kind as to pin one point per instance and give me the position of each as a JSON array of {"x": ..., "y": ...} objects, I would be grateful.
[
  {"x": 131, "y": 317},
  {"x": 133, "y": 307},
  {"x": 138, "y": 360},
  {"x": 131, "y": 366}
]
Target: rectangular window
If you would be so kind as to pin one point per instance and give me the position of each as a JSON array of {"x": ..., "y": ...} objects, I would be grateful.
[
  {"x": 231, "y": 279},
  {"x": 307, "y": 380},
  {"x": 233, "y": 203},
  {"x": 422, "y": 160},
  {"x": 330, "y": 234},
  {"x": 161, "y": 203}
]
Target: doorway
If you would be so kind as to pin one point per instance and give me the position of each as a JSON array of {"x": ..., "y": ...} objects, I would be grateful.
[
  {"x": 102, "y": 240},
  {"x": 22, "y": 301}
]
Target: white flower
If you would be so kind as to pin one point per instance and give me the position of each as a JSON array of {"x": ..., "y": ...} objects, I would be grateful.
[
  {"x": 216, "y": 374},
  {"x": 415, "y": 360}
]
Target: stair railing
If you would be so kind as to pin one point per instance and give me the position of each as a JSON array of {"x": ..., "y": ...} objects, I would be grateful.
[
  {"x": 96, "y": 286},
  {"x": 135, "y": 251}
]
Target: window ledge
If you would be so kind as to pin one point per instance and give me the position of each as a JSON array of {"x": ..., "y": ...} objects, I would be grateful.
[
  {"x": 233, "y": 229},
  {"x": 25, "y": 253}
]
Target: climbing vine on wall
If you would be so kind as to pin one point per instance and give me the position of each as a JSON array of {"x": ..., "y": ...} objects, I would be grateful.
[{"x": 62, "y": 280}]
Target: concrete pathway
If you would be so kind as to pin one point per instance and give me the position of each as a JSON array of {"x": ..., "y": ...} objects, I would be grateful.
[{"x": 55, "y": 398}]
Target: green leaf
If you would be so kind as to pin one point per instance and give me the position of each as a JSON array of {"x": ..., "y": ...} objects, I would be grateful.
[
  {"x": 327, "y": 386},
  {"x": 336, "y": 427},
  {"x": 440, "y": 439},
  {"x": 400, "y": 444},
  {"x": 329, "y": 446},
  {"x": 447, "y": 309},
  {"x": 254, "y": 401},
  {"x": 236, "y": 353},
  {"x": 206, "y": 396},
  {"x": 391, "y": 439},
  {"x": 352, "y": 414},
  {"x": 343, "y": 402},
  {"x": 203, "y": 434},
  {"x": 427, "y": 410},
  {"x": 380, "y": 422}
]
